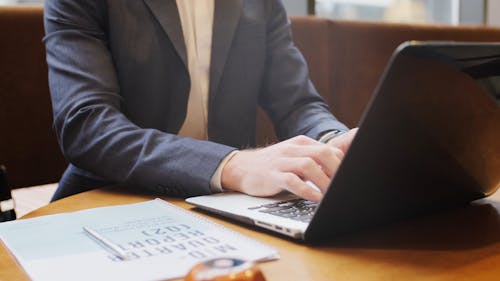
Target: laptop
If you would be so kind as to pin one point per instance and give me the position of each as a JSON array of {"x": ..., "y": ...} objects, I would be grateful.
[{"x": 429, "y": 140}]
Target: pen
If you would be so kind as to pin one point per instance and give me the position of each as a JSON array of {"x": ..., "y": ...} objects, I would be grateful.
[{"x": 110, "y": 246}]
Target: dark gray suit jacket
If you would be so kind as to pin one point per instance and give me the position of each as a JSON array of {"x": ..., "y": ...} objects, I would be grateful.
[{"x": 119, "y": 86}]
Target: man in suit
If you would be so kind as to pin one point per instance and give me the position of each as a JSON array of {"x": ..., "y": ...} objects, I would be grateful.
[{"x": 162, "y": 95}]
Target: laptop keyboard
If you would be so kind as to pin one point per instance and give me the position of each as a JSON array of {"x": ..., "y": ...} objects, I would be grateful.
[{"x": 296, "y": 209}]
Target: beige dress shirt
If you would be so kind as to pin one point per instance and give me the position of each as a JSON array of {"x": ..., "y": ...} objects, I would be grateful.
[
  {"x": 197, "y": 23},
  {"x": 197, "y": 17}
]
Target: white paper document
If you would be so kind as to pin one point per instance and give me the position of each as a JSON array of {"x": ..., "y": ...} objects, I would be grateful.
[{"x": 161, "y": 241}]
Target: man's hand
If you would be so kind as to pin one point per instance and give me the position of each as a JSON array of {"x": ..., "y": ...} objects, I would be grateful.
[
  {"x": 285, "y": 166},
  {"x": 343, "y": 141}
]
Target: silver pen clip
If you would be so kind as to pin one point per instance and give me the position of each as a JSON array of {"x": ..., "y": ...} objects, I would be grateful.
[{"x": 107, "y": 244}]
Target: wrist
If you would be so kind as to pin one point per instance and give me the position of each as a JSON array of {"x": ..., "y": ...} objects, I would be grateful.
[
  {"x": 230, "y": 174},
  {"x": 216, "y": 180}
]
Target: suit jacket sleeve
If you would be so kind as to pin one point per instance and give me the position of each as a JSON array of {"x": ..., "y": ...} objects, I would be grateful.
[
  {"x": 288, "y": 95},
  {"x": 92, "y": 131}
]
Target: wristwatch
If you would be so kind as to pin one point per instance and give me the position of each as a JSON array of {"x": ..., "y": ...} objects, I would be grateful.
[{"x": 329, "y": 135}]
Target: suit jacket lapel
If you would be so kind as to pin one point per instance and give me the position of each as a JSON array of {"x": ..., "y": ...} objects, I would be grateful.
[
  {"x": 167, "y": 14},
  {"x": 226, "y": 18}
]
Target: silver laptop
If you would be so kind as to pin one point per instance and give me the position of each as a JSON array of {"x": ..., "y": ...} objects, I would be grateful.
[{"x": 429, "y": 140}]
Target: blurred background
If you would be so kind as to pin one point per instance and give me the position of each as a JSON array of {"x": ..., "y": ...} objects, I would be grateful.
[
  {"x": 452, "y": 12},
  {"x": 449, "y": 12}
]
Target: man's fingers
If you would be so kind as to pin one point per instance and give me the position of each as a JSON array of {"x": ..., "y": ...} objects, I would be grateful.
[
  {"x": 327, "y": 157},
  {"x": 297, "y": 186},
  {"x": 343, "y": 142},
  {"x": 306, "y": 168}
]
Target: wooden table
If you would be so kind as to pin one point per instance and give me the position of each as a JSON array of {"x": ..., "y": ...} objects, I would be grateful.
[{"x": 462, "y": 244}]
